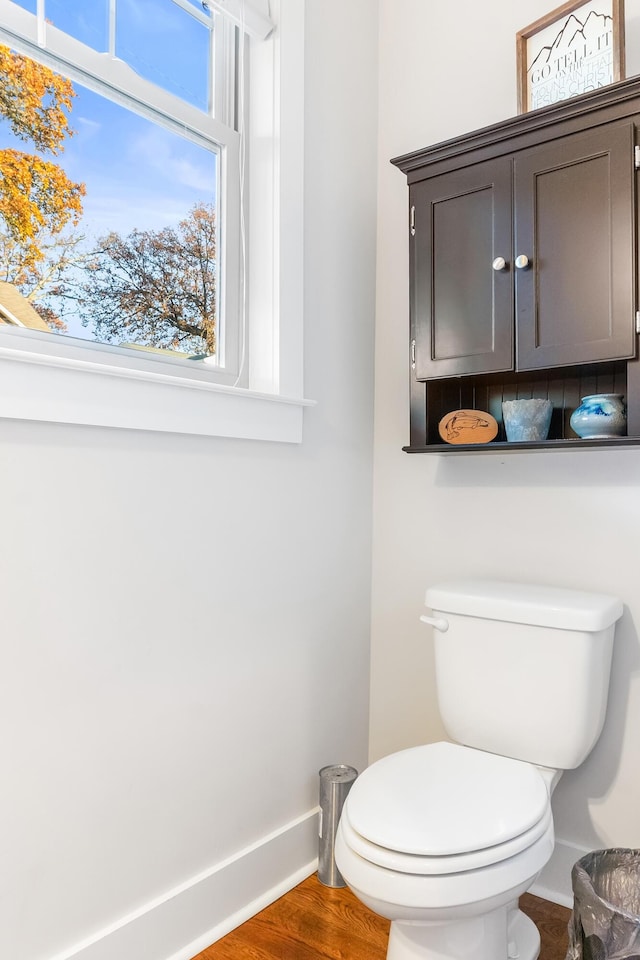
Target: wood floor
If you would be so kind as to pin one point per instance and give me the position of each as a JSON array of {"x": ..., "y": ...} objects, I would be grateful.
[{"x": 313, "y": 922}]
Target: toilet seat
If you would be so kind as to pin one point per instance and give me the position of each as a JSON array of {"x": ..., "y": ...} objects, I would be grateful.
[
  {"x": 445, "y": 808},
  {"x": 440, "y": 865}
]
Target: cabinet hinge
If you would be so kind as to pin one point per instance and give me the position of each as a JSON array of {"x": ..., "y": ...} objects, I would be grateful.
[
  {"x": 637, "y": 321},
  {"x": 412, "y": 221},
  {"x": 636, "y": 157}
]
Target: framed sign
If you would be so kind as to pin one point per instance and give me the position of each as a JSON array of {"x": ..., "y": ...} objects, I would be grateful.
[{"x": 574, "y": 49}]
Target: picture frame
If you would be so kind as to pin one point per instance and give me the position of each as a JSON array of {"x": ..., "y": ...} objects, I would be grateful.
[{"x": 574, "y": 49}]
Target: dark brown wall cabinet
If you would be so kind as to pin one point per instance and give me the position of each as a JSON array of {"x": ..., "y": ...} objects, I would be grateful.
[{"x": 523, "y": 270}]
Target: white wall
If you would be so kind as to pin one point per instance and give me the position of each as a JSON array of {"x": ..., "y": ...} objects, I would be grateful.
[
  {"x": 566, "y": 517},
  {"x": 184, "y": 637}
]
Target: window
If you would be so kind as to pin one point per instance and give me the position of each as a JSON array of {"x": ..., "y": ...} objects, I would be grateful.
[
  {"x": 173, "y": 125},
  {"x": 137, "y": 246}
]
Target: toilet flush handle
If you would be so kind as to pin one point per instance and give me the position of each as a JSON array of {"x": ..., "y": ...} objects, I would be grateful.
[{"x": 438, "y": 622}]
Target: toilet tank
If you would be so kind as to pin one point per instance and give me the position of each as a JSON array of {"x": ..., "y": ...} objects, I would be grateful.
[{"x": 523, "y": 670}]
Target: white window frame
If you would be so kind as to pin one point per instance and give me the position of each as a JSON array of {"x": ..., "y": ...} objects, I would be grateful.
[{"x": 48, "y": 378}]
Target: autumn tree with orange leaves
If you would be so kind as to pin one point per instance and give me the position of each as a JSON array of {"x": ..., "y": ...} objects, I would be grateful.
[{"x": 37, "y": 199}]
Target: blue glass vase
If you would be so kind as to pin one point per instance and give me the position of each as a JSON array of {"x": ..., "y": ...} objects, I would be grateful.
[{"x": 600, "y": 415}]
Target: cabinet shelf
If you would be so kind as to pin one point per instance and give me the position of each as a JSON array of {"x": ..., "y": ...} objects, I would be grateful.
[
  {"x": 502, "y": 446},
  {"x": 564, "y": 386}
]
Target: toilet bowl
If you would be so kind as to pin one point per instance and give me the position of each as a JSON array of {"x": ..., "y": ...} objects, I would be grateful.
[{"x": 442, "y": 839}]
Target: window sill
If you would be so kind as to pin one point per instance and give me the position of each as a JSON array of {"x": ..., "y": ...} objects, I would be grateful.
[{"x": 67, "y": 382}]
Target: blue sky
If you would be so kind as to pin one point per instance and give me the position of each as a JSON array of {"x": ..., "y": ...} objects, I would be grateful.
[{"x": 138, "y": 175}]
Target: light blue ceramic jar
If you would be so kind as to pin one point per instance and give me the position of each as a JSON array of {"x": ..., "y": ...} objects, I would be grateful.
[
  {"x": 527, "y": 419},
  {"x": 600, "y": 415}
]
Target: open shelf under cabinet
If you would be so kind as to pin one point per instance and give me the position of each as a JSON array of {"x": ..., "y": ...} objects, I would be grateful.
[{"x": 565, "y": 387}]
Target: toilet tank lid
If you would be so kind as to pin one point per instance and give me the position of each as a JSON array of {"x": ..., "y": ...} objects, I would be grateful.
[{"x": 526, "y": 603}]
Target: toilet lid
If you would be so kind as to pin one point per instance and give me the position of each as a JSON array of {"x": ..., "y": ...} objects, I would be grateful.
[{"x": 443, "y": 799}]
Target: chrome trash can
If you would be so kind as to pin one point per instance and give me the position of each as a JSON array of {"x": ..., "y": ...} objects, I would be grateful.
[{"x": 335, "y": 783}]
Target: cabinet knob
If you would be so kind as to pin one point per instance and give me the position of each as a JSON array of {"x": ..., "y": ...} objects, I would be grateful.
[
  {"x": 522, "y": 261},
  {"x": 499, "y": 263}
]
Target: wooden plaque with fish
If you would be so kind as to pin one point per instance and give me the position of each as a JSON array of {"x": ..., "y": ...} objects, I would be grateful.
[{"x": 468, "y": 426}]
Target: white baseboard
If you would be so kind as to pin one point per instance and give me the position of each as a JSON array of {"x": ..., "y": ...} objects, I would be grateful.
[
  {"x": 554, "y": 882},
  {"x": 188, "y": 918},
  {"x": 195, "y": 914}
]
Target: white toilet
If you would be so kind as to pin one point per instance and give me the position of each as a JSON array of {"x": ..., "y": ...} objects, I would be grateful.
[{"x": 442, "y": 839}]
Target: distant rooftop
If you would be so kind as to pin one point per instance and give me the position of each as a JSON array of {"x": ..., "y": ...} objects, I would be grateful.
[{"x": 16, "y": 309}]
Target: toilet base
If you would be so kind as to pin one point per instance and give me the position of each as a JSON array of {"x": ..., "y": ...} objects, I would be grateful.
[
  {"x": 502, "y": 934},
  {"x": 524, "y": 937}
]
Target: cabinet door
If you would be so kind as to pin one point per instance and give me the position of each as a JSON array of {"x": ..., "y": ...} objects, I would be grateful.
[
  {"x": 575, "y": 215},
  {"x": 461, "y": 308}
]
